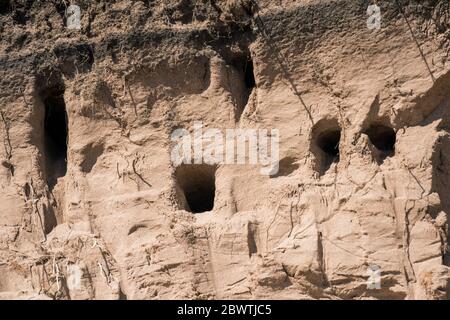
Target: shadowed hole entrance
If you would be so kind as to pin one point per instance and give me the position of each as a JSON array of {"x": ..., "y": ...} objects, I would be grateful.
[
  {"x": 329, "y": 143},
  {"x": 244, "y": 66},
  {"x": 249, "y": 75},
  {"x": 5, "y": 7},
  {"x": 326, "y": 136},
  {"x": 55, "y": 135},
  {"x": 382, "y": 137},
  {"x": 197, "y": 186}
]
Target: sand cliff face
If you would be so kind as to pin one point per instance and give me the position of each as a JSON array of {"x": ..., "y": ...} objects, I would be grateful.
[{"x": 91, "y": 206}]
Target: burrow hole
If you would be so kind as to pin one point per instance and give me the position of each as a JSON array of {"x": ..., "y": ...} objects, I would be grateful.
[
  {"x": 383, "y": 138},
  {"x": 326, "y": 136},
  {"x": 197, "y": 186},
  {"x": 244, "y": 65},
  {"x": 55, "y": 134},
  {"x": 5, "y": 7},
  {"x": 249, "y": 75}
]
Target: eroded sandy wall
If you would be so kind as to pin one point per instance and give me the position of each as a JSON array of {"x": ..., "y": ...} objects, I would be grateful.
[{"x": 364, "y": 174}]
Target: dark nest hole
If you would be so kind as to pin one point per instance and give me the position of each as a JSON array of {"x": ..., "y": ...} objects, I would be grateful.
[
  {"x": 329, "y": 143},
  {"x": 197, "y": 186},
  {"x": 325, "y": 144},
  {"x": 244, "y": 65},
  {"x": 55, "y": 135},
  {"x": 5, "y": 7},
  {"x": 249, "y": 75},
  {"x": 383, "y": 138},
  {"x": 20, "y": 17}
]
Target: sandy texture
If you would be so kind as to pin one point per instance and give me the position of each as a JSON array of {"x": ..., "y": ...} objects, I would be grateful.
[{"x": 364, "y": 120}]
